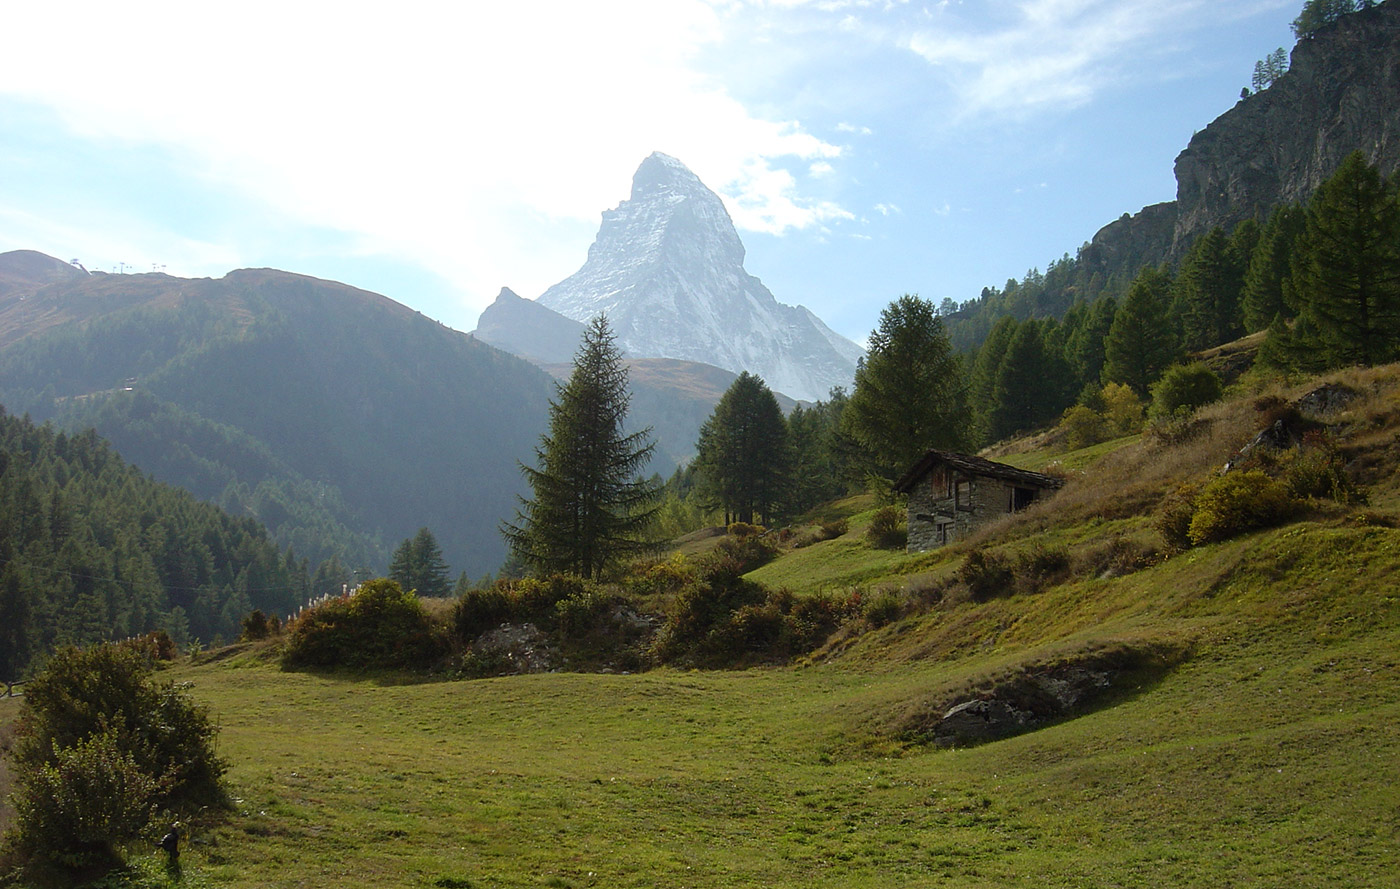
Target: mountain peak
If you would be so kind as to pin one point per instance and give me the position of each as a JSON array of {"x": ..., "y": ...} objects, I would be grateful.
[
  {"x": 667, "y": 268},
  {"x": 661, "y": 173}
]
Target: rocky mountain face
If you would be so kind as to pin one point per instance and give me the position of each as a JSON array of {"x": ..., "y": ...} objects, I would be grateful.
[
  {"x": 1276, "y": 146},
  {"x": 668, "y": 269},
  {"x": 524, "y": 327}
]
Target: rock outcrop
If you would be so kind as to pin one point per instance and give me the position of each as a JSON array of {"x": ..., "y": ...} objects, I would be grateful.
[{"x": 1341, "y": 94}]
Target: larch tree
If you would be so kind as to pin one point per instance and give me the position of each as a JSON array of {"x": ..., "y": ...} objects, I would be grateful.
[
  {"x": 590, "y": 507},
  {"x": 743, "y": 454},
  {"x": 418, "y": 566},
  {"x": 1141, "y": 343},
  {"x": 910, "y": 390},
  {"x": 1346, "y": 276}
]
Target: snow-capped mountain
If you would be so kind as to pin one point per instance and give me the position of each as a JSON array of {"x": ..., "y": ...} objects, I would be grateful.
[{"x": 668, "y": 269}]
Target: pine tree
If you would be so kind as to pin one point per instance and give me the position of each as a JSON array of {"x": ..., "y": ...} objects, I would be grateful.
[
  {"x": 743, "y": 454},
  {"x": 910, "y": 394},
  {"x": 1347, "y": 276},
  {"x": 590, "y": 507},
  {"x": 418, "y": 566},
  {"x": 1141, "y": 343}
]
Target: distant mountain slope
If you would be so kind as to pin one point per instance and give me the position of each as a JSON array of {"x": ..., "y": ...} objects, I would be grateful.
[
  {"x": 524, "y": 327},
  {"x": 668, "y": 269},
  {"x": 310, "y": 400}
]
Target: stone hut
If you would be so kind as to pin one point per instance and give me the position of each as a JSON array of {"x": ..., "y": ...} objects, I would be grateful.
[{"x": 951, "y": 495}]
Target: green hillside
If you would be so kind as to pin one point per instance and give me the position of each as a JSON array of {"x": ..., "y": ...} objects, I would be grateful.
[
  {"x": 340, "y": 419},
  {"x": 1251, "y": 737}
]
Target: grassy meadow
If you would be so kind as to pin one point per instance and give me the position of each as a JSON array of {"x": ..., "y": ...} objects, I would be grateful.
[{"x": 1264, "y": 752}]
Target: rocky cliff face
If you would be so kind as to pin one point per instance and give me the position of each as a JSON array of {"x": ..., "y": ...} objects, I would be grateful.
[
  {"x": 1341, "y": 94},
  {"x": 668, "y": 269}
]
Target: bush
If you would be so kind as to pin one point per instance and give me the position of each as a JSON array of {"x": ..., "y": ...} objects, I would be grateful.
[
  {"x": 743, "y": 554},
  {"x": 1182, "y": 389},
  {"x": 1233, "y": 504},
  {"x": 1122, "y": 410},
  {"x": 256, "y": 626},
  {"x": 986, "y": 574},
  {"x": 659, "y": 578},
  {"x": 884, "y": 608},
  {"x": 379, "y": 627},
  {"x": 1082, "y": 427},
  {"x": 99, "y": 747},
  {"x": 580, "y": 612},
  {"x": 886, "y": 529},
  {"x": 76, "y": 810},
  {"x": 1318, "y": 471}
]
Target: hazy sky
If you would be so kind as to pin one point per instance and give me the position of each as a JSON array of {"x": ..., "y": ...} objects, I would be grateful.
[{"x": 436, "y": 152}]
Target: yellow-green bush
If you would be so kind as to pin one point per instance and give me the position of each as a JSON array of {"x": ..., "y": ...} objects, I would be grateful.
[
  {"x": 1233, "y": 504},
  {"x": 380, "y": 626}
]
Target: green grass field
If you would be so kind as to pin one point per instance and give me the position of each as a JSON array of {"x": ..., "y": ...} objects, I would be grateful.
[{"x": 1269, "y": 755}]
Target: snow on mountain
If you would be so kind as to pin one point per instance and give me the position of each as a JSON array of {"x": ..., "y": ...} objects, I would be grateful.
[{"x": 668, "y": 269}]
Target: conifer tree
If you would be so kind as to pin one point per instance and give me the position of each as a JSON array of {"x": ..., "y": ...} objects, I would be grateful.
[
  {"x": 910, "y": 393},
  {"x": 1029, "y": 387},
  {"x": 1141, "y": 343},
  {"x": 743, "y": 454},
  {"x": 1347, "y": 275},
  {"x": 1269, "y": 269},
  {"x": 418, "y": 566},
  {"x": 590, "y": 506},
  {"x": 1208, "y": 288}
]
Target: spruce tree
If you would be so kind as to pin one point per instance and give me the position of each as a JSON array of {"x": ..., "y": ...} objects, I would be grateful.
[
  {"x": 1030, "y": 383},
  {"x": 418, "y": 566},
  {"x": 910, "y": 393},
  {"x": 743, "y": 454},
  {"x": 1347, "y": 274},
  {"x": 590, "y": 506}
]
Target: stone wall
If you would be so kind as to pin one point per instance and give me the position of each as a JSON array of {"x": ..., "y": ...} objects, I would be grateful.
[{"x": 947, "y": 505}]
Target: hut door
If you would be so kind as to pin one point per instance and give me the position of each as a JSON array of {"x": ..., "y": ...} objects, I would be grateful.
[{"x": 1021, "y": 498}]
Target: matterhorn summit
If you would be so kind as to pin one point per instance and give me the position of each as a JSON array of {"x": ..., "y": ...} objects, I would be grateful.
[{"x": 668, "y": 269}]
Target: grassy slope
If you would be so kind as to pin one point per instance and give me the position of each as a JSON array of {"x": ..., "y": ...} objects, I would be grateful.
[{"x": 1271, "y": 756}]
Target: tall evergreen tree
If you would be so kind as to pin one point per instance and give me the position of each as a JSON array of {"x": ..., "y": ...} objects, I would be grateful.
[
  {"x": 1085, "y": 349},
  {"x": 1317, "y": 14},
  {"x": 590, "y": 506},
  {"x": 1141, "y": 343},
  {"x": 910, "y": 393},
  {"x": 1347, "y": 277},
  {"x": 418, "y": 566},
  {"x": 1208, "y": 287},
  {"x": 1269, "y": 268},
  {"x": 1030, "y": 383},
  {"x": 743, "y": 455}
]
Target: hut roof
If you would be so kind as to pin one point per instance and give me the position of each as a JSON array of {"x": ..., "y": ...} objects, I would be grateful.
[{"x": 973, "y": 466}]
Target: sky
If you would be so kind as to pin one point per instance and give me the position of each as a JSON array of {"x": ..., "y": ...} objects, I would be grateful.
[{"x": 436, "y": 152}]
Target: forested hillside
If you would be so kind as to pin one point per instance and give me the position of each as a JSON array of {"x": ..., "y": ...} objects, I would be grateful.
[
  {"x": 342, "y": 420},
  {"x": 93, "y": 549}
]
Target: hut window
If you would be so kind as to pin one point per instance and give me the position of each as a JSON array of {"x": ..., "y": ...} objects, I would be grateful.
[
  {"x": 1021, "y": 498},
  {"x": 964, "y": 494}
]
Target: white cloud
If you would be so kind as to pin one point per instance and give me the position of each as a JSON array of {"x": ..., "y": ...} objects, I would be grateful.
[
  {"x": 844, "y": 127},
  {"x": 887, "y": 209},
  {"x": 1053, "y": 52},
  {"x": 443, "y": 134}
]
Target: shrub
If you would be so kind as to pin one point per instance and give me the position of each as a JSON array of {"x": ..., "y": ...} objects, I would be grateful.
[
  {"x": 99, "y": 747},
  {"x": 480, "y": 610},
  {"x": 1233, "y": 504},
  {"x": 743, "y": 554},
  {"x": 659, "y": 578},
  {"x": 76, "y": 810},
  {"x": 986, "y": 574},
  {"x": 380, "y": 626},
  {"x": 744, "y": 529},
  {"x": 884, "y": 608},
  {"x": 1122, "y": 410},
  {"x": 830, "y": 530},
  {"x": 886, "y": 529},
  {"x": 255, "y": 626},
  {"x": 1318, "y": 471},
  {"x": 580, "y": 612},
  {"x": 1183, "y": 388},
  {"x": 1082, "y": 427}
]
